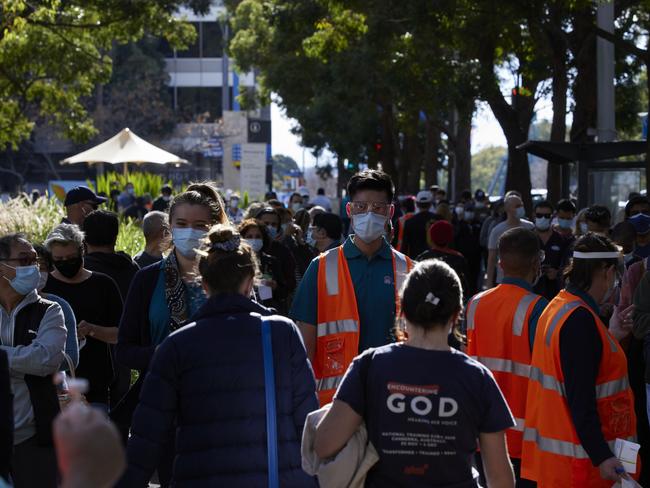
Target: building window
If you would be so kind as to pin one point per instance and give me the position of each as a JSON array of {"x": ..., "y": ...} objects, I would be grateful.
[
  {"x": 211, "y": 39},
  {"x": 198, "y": 104}
]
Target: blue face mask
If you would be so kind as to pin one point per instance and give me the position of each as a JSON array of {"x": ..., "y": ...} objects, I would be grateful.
[
  {"x": 272, "y": 230},
  {"x": 186, "y": 240},
  {"x": 565, "y": 223},
  {"x": 369, "y": 226},
  {"x": 26, "y": 280}
]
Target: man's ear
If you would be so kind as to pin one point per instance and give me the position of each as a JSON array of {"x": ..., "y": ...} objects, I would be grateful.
[
  {"x": 392, "y": 211},
  {"x": 347, "y": 209}
]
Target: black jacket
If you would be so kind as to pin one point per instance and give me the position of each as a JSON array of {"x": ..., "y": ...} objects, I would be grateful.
[
  {"x": 6, "y": 418},
  {"x": 206, "y": 383},
  {"x": 117, "y": 265},
  {"x": 415, "y": 233}
]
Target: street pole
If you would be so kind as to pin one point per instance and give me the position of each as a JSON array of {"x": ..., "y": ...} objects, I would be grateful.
[
  {"x": 225, "y": 83},
  {"x": 605, "y": 75}
]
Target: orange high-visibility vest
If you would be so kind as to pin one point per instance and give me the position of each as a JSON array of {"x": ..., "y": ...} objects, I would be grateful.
[
  {"x": 338, "y": 327},
  {"x": 552, "y": 453},
  {"x": 497, "y": 336},
  {"x": 401, "y": 223}
]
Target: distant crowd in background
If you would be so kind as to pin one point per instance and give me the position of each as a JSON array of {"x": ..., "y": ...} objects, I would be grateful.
[{"x": 80, "y": 308}]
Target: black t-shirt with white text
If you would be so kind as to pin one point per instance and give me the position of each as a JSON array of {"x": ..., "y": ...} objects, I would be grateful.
[{"x": 424, "y": 411}]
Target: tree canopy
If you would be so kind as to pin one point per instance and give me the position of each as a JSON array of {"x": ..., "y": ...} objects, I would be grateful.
[{"x": 54, "y": 53}]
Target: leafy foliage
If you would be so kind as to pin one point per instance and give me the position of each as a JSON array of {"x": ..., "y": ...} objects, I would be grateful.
[
  {"x": 38, "y": 219},
  {"x": 143, "y": 183},
  {"x": 53, "y": 53}
]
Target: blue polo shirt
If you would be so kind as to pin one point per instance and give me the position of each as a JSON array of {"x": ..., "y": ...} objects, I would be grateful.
[
  {"x": 537, "y": 309},
  {"x": 374, "y": 289}
]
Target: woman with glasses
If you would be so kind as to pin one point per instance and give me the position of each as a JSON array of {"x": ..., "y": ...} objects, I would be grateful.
[{"x": 97, "y": 305}]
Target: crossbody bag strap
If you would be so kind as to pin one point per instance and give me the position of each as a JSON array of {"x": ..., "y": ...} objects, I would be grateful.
[{"x": 271, "y": 414}]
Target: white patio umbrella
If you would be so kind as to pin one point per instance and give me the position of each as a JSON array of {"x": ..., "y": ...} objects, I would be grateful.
[{"x": 125, "y": 147}]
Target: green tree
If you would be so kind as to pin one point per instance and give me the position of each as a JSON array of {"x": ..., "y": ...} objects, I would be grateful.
[
  {"x": 53, "y": 53},
  {"x": 137, "y": 95}
]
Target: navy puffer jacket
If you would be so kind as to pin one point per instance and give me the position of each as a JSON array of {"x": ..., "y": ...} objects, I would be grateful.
[{"x": 207, "y": 381}]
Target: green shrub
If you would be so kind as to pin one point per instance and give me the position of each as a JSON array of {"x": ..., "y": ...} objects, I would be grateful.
[
  {"x": 38, "y": 219},
  {"x": 143, "y": 182}
]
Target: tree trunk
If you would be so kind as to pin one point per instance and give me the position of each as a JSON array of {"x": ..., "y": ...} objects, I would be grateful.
[
  {"x": 431, "y": 149},
  {"x": 463, "y": 151},
  {"x": 583, "y": 46},
  {"x": 415, "y": 163}
]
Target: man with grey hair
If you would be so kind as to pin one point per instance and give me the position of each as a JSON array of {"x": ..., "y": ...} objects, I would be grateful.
[
  {"x": 515, "y": 213},
  {"x": 32, "y": 334},
  {"x": 155, "y": 227}
]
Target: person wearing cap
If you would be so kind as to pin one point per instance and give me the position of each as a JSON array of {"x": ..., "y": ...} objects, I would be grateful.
[
  {"x": 416, "y": 228},
  {"x": 325, "y": 232},
  {"x": 501, "y": 325},
  {"x": 579, "y": 400},
  {"x": 161, "y": 204},
  {"x": 79, "y": 202},
  {"x": 441, "y": 236}
]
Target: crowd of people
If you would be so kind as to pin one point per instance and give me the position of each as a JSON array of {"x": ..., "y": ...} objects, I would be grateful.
[{"x": 402, "y": 341}]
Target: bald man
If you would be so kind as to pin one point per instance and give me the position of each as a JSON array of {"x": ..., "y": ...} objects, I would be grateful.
[
  {"x": 155, "y": 228},
  {"x": 515, "y": 213}
]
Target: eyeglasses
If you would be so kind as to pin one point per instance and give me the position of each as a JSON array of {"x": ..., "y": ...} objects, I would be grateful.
[
  {"x": 376, "y": 207},
  {"x": 543, "y": 215},
  {"x": 24, "y": 261}
]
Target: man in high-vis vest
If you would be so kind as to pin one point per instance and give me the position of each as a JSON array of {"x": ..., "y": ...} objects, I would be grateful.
[
  {"x": 348, "y": 298},
  {"x": 579, "y": 399},
  {"x": 501, "y": 324},
  {"x": 408, "y": 207}
]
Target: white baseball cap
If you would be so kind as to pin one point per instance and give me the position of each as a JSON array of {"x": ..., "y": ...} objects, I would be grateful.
[{"x": 425, "y": 196}]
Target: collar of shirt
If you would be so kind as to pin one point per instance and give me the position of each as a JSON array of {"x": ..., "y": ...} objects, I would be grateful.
[
  {"x": 351, "y": 251},
  {"x": 507, "y": 280},
  {"x": 586, "y": 297}
]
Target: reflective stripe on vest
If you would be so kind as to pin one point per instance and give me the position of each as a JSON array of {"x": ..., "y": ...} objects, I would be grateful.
[
  {"x": 471, "y": 310},
  {"x": 564, "y": 310},
  {"x": 332, "y": 272},
  {"x": 521, "y": 312},
  {"x": 561, "y": 448},
  {"x": 329, "y": 328},
  {"x": 504, "y": 366},
  {"x": 329, "y": 383},
  {"x": 603, "y": 390}
]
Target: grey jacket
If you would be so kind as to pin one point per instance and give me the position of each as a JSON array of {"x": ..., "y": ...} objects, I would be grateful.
[{"x": 42, "y": 357}]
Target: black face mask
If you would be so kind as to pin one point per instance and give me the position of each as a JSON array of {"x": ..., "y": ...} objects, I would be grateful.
[{"x": 69, "y": 267}]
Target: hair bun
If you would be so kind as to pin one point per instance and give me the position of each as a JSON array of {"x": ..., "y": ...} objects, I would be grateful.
[{"x": 223, "y": 236}]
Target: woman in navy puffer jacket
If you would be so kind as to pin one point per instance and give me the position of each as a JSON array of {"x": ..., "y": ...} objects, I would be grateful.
[{"x": 206, "y": 380}]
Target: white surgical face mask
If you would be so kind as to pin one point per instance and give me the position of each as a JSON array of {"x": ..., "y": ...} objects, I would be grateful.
[
  {"x": 369, "y": 226},
  {"x": 459, "y": 211},
  {"x": 187, "y": 240},
  {"x": 296, "y": 206},
  {"x": 584, "y": 228},
  {"x": 255, "y": 244},
  {"x": 26, "y": 279}
]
